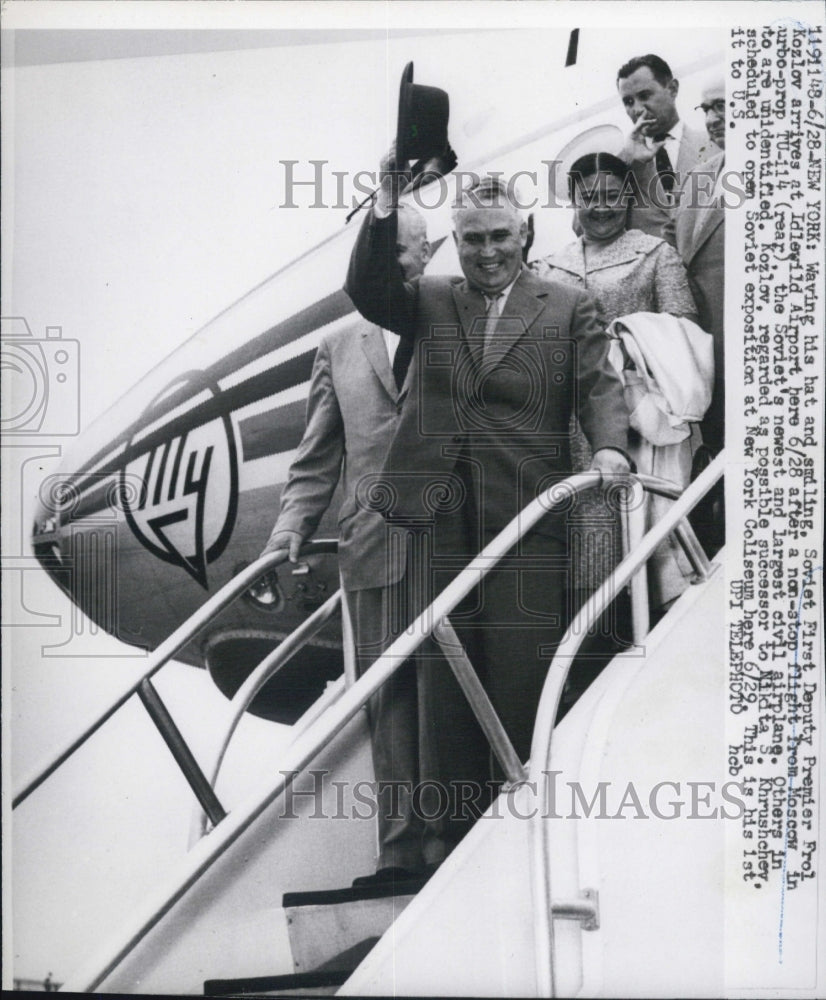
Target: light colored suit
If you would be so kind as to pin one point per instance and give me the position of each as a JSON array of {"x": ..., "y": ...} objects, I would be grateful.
[
  {"x": 700, "y": 235},
  {"x": 352, "y": 412},
  {"x": 649, "y": 216}
]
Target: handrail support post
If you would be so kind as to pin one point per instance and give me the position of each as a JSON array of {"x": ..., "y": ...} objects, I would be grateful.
[
  {"x": 694, "y": 551},
  {"x": 480, "y": 703},
  {"x": 633, "y": 507},
  {"x": 348, "y": 641},
  {"x": 172, "y": 736}
]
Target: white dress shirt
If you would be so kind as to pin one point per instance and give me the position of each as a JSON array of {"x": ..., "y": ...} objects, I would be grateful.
[
  {"x": 391, "y": 342},
  {"x": 502, "y": 297},
  {"x": 673, "y": 138}
]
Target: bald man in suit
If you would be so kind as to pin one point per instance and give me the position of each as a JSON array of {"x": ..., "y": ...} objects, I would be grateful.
[{"x": 356, "y": 397}]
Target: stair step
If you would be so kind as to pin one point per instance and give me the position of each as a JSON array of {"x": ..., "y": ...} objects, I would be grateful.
[
  {"x": 313, "y": 984},
  {"x": 347, "y": 960},
  {"x": 329, "y": 929},
  {"x": 353, "y": 894},
  {"x": 323, "y": 981}
]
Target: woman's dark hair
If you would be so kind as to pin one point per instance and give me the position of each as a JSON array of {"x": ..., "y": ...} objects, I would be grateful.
[{"x": 594, "y": 163}]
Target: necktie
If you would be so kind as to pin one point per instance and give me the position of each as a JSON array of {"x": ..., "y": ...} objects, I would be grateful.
[
  {"x": 492, "y": 313},
  {"x": 401, "y": 360},
  {"x": 665, "y": 171}
]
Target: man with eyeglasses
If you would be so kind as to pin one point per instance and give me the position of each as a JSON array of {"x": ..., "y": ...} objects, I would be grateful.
[{"x": 699, "y": 230}]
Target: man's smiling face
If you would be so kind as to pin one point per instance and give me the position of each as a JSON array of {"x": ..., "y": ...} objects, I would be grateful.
[{"x": 489, "y": 241}]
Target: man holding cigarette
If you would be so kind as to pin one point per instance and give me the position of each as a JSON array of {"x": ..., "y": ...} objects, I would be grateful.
[{"x": 660, "y": 148}]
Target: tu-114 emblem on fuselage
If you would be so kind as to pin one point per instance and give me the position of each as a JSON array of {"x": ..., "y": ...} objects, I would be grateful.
[{"x": 187, "y": 464}]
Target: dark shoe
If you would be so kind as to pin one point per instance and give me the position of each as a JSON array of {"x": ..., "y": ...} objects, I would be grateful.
[{"x": 385, "y": 876}]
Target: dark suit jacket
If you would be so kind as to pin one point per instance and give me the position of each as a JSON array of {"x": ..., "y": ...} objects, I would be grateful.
[
  {"x": 700, "y": 233},
  {"x": 649, "y": 216},
  {"x": 505, "y": 413},
  {"x": 352, "y": 414}
]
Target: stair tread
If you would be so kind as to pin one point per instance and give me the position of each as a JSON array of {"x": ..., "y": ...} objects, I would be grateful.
[
  {"x": 272, "y": 984},
  {"x": 352, "y": 894},
  {"x": 332, "y": 973}
]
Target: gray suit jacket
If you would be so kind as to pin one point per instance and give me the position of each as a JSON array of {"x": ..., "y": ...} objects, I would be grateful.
[
  {"x": 508, "y": 415},
  {"x": 700, "y": 233},
  {"x": 650, "y": 216},
  {"x": 352, "y": 412}
]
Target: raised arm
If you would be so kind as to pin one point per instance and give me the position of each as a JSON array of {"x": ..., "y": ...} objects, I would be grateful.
[{"x": 375, "y": 281}]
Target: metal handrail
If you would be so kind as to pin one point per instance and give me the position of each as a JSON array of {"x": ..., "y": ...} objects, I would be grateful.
[
  {"x": 552, "y": 691},
  {"x": 307, "y": 745},
  {"x": 479, "y": 701},
  {"x": 167, "y": 649},
  {"x": 322, "y": 730},
  {"x": 264, "y": 672},
  {"x": 450, "y": 646},
  {"x": 179, "y": 748},
  {"x": 271, "y": 664}
]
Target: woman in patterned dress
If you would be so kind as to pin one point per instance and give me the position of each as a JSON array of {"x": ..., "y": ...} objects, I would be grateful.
[{"x": 626, "y": 271}]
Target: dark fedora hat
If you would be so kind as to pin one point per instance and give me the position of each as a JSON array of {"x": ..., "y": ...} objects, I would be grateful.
[{"x": 421, "y": 129}]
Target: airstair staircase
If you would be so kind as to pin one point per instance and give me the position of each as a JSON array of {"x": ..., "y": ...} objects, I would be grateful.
[{"x": 534, "y": 901}]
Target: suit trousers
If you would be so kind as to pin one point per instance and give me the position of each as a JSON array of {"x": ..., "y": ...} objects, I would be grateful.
[
  {"x": 393, "y": 715},
  {"x": 511, "y": 627},
  {"x": 430, "y": 757},
  {"x": 434, "y": 769}
]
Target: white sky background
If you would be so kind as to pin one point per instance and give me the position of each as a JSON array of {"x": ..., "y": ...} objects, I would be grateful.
[{"x": 139, "y": 199}]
